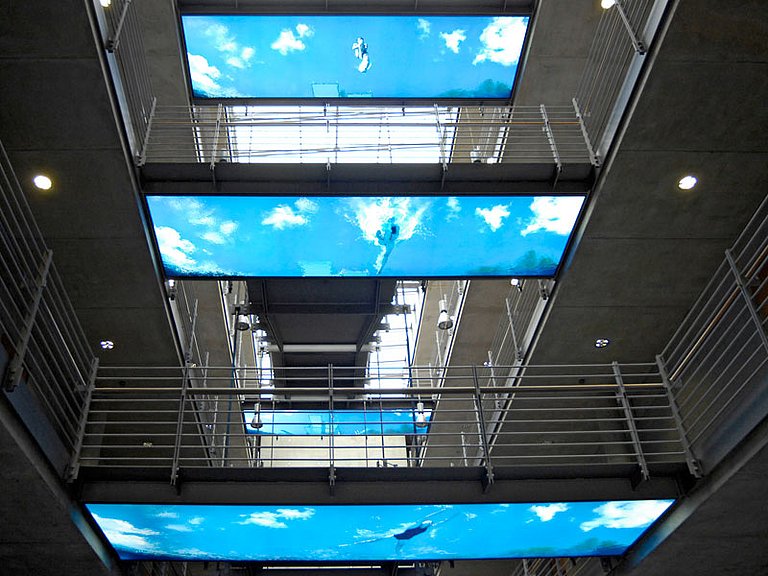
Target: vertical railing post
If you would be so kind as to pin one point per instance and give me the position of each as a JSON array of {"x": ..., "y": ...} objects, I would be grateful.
[
  {"x": 742, "y": 284},
  {"x": 593, "y": 157},
  {"x": 518, "y": 348},
  {"x": 331, "y": 456},
  {"x": 16, "y": 367},
  {"x": 623, "y": 400},
  {"x": 478, "y": 397},
  {"x": 693, "y": 464},
  {"x": 183, "y": 399},
  {"x": 74, "y": 464},
  {"x": 216, "y": 130},
  {"x": 142, "y": 159},
  {"x": 114, "y": 39},
  {"x": 547, "y": 128},
  {"x": 637, "y": 44}
]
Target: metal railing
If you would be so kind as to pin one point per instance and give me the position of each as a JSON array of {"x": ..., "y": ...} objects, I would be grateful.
[
  {"x": 716, "y": 361},
  {"x": 47, "y": 349},
  {"x": 562, "y": 416},
  {"x": 345, "y": 134},
  {"x": 622, "y": 39},
  {"x": 122, "y": 36}
]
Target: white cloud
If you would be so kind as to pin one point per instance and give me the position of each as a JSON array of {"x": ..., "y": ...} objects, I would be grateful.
[
  {"x": 304, "y": 31},
  {"x": 453, "y": 39},
  {"x": 494, "y": 216},
  {"x": 124, "y": 534},
  {"x": 214, "y": 238},
  {"x": 167, "y": 515},
  {"x": 306, "y": 205},
  {"x": 203, "y": 74},
  {"x": 196, "y": 521},
  {"x": 424, "y": 27},
  {"x": 284, "y": 216},
  {"x": 626, "y": 514},
  {"x": 236, "y": 61},
  {"x": 293, "y": 514},
  {"x": 502, "y": 41},
  {"x": 173, "y": 247},
  {"x": 287, "y": 42},
  {"x": 222, "y": 39},
  {"x": 546, "y": 512},
  {"x": 179, "y": 527},
  {"x": 247, "y": 53},
  {"x": 275, "y": 519},
  {"x": 553, "y": 214},
  {"x": 228, "y": 227},
  {"x": 454, "y": 207}
]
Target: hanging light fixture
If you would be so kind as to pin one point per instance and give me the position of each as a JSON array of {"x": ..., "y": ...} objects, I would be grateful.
[
  {"x": 444, "y": 321},
  {"x": 242, "y": 323},
  {"x": 256, "y": 420},
  {"x": 421, "y": 417}
]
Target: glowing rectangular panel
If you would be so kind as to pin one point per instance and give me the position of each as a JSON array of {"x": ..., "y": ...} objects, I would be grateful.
[
  {"x": 375, "y": 533},
  {"x": 342, "y": 422},
  {"x": 353, "y": 56},
  {"x": 346, "y": 236}
]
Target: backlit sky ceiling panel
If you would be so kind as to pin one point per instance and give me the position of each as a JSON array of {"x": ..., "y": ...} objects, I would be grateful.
[
  {"x": 375, "y": 533},
  {"x": 347, "y": 236},
  {"x": 353, "y": 56},
  {"x": 340, "y": 422}
]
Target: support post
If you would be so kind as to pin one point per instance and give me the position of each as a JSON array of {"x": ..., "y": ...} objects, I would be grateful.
[
  {"x": 593, "y": 157},
  {"x": 547, "y": 128},
  {"x": 114, "y": 40},
  {"x": 623, "y": 400},
  {"x": 74, "y": 464},
  {"x": 518, "y": 349},
  {"x": 637, "y": 44},
  {"x": 331, "y": 459},
  {"x": 217, "y": 128},
  {"x": 142, "y": 159},
  {"x": 183, "y": 399},
  {"x": 482, "y": 429},
  {"x": 16, "y": 367},
  {"x": 742, "y": 284},
  {"x": 693, "y": 464}
]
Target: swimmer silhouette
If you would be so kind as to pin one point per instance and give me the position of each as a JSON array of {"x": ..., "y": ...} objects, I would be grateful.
[
  {"x": 360, "y": 49},
  {"x": 411, "y": 532},
  {"x": 402, "y": 537},
  {"x": 387, "y": 237}
]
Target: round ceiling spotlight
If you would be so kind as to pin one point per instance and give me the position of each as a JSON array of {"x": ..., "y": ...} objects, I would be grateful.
[
  {"x": 107, "y": 344},
  {"x": 687, "y": 182},
  {"x": 42, "y": 181},
  {"x": 605, "y": 4},
  {"x": 105, "y": 3},
  {"x": 602, "y": 342}
]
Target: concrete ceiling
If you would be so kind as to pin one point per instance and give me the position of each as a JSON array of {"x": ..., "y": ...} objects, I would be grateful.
[{"x": 642, "y": 258}]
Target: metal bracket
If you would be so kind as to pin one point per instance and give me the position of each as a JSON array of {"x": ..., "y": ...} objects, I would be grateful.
[
  {"x": 742, "y": 284},
  {"x": 74, "y": 464},
  {"x": 142, "y": 159},
  {"x": 694, "y": 467},
  {"x": 488, "y": 480},
  {"x": 637, "y": 44},
  {"x": 13, "y": 374},
  {"x": 114, "y": 40},
  {"x": 623, "y": 400},
  {"x": 593, "y": 157},
  {"x": 547, "y": 128}
]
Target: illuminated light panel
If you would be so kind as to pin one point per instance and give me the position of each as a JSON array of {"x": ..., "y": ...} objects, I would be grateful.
[
  {"x": 341, "y": 422},
  {"x": 353, "y": 56},
  {"x": 355, "y": 236},
  {"x": 347, "y": 533}
]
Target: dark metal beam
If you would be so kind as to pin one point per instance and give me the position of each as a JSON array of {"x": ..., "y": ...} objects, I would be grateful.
[{"x": 304, "y": 486}]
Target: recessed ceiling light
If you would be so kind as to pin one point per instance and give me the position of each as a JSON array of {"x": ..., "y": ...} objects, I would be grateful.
[
  {"x": 605, "y": 4},
  {"x": 42, "y": 182},
  {"x": 687, "y": 182},
  {"x": 105, "y": 3},
  {"x": 602, "y": 342},
  {"x": 107, "y": 344}
]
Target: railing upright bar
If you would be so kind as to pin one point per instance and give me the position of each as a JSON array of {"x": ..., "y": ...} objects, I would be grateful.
[
  {"x": 15, "y": 369},
  {"x": 331, "y": 455},
  {"x": 183, "y": 398},
  {"x": 637, "y": 43},
  {"x": 482, "y": 430},
  {"x": 114, "y": 39},
  {"x": 623, "y": 399},
  {"x": 749, "y": 302},
  {"x": 693, "y": 464},
  {"x": 74, "y": 465}
]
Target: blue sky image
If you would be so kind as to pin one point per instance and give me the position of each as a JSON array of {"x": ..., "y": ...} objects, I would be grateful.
[
  {"x": 399, "y": 237},
  {"x": 257, "y": 56},
  {"x": 345, "y": 422},
  {"x": 376, "y": 533}
]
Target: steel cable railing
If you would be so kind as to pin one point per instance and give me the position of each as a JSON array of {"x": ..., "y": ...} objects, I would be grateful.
[
  {"x": 716, "y": 361},
  {"x": 134, "y": 419},
  {"x": 335, "y": 134},
  {"x": 47, "y": 349}
]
